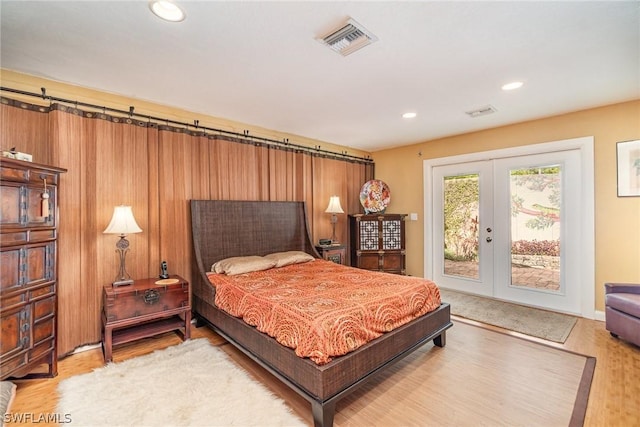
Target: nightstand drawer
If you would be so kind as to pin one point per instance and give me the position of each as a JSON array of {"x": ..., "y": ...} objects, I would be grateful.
[
  {"x": 335, "y": 253},
  {"x": 128, "y": 302}
]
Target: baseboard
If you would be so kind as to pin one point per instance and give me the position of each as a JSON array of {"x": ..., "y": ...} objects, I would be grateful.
[
  {"x": 599, "y": 315},
  {"x": 86, "y": 348}
]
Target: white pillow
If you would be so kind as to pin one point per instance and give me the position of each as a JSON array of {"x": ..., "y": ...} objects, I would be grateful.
[
  {"x": 290, "y": 257},
  {"x": 242, "y": 264}
]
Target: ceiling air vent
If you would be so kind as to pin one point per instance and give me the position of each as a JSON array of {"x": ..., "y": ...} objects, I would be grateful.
[
  {"x": 482, "y": 111},
  {"x": 349, "y": 38}
]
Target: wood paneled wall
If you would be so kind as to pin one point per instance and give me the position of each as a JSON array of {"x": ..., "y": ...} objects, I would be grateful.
[{"x": 156, "y": 169}]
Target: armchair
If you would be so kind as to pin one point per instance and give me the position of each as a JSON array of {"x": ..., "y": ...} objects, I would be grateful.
[{"x": 622, "y": 311}]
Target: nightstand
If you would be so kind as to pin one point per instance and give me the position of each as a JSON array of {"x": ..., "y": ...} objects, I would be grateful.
[
  {"x": 147, "y": 307},
  {"x": 335, "y": 253}
]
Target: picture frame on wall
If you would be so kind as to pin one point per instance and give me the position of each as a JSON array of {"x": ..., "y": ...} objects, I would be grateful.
[{"x": 628, "y": 168}]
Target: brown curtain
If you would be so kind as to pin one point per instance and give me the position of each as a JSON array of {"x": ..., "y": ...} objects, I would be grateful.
[
  {"x": 156, "y": 169},
  {"x": 25, "y": 127},
  {"x": 72, "y": 144}
]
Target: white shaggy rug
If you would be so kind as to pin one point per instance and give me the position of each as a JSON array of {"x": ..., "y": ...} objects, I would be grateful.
[{"x": 190, "y": 384}]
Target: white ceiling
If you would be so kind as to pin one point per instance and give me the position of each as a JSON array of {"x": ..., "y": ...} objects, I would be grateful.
[{"x": 260, "y": 63}]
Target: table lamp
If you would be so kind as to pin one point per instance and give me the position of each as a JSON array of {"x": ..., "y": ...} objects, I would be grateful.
[
  {"x": 122, "y": 223},
  {"x": 334, "y": 208}
]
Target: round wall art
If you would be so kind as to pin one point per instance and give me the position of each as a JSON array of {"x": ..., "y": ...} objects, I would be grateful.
[{"x": 375, "y": 196}]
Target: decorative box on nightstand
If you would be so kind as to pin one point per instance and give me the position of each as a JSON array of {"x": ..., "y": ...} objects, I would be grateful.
[
  {"x": 335, "y": 253},
  {"x": 147, "y": 307}
]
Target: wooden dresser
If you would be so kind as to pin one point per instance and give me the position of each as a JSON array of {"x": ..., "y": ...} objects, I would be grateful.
[
  {"x": 28, "y": 264},
  {"x": 378, "y": 242}
]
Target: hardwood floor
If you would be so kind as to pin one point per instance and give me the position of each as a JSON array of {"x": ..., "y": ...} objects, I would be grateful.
[{"x": 614, "y": 399}]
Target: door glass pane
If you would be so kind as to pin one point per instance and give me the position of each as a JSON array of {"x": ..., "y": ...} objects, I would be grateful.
[
  {"x": 536, "y": 200},
  {"x": 461, "y": 231}
]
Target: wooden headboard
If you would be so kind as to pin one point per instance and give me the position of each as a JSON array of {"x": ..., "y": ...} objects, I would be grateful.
[{"x": 226, "y": 228}]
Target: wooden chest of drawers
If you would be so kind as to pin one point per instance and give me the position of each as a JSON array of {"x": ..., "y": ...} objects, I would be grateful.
[
  {"x": 145, "y": 308},
  {"x": 28, "y": 279}
]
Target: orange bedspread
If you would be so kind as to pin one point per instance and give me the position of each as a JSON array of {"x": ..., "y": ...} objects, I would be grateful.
[{"x": 322, "y": 309}]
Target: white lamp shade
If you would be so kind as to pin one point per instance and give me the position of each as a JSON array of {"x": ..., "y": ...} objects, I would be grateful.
[
  {"x": 334, "y": 205},
  {"x": 122, "y": 222}
]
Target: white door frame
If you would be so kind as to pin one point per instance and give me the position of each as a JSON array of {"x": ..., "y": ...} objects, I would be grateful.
[
  {"x": 484, "y": 283},
  {"x": 586, "y": 277}
]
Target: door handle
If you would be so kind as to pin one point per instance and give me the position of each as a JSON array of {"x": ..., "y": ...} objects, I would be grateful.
[
  {"x": 489, "y": 230},
  {"x": 489, "y": 239}
]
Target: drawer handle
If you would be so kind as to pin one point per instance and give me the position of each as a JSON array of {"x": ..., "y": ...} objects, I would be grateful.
[{"x": 151, "y": 296}]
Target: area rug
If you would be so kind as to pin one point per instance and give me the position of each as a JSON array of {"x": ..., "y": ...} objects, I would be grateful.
[
  {"x": 7, "y": 394},
  {"x": 538, "y": 323},
  {"x": 190, "y": 384}
]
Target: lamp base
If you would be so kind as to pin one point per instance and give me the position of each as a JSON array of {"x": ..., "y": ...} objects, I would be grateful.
[
  {"x": 122, "y": 278},
  {"x": 123, "y": 282}
]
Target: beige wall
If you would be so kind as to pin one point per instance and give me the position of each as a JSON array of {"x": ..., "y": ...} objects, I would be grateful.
[{"x": 617, "y": 220}]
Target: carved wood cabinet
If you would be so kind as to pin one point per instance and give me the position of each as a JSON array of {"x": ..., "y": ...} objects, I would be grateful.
[
  {"x": 378, "y": 242},
  {"x": 28, "y": 268}
]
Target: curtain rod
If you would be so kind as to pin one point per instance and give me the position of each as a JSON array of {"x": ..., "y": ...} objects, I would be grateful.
[{"x": 196, "y": 124}]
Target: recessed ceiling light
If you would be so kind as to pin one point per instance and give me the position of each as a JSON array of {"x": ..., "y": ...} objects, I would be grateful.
[
  {"x": 409, "y": 115},
  {"x": 512, "y": 86},
  {"x": 167, "y": 10}
]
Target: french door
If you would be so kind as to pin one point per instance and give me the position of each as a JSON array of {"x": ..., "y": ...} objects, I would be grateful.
[
  {"x": 511, "y": 228},
  {"x": 463, "y": 227}
]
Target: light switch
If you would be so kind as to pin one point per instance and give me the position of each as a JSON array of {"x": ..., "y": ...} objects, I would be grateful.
[{"x": 413, "y": 216}]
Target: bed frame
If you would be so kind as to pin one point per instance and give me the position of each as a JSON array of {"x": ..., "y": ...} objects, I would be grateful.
[{"x": 223, "y": 229}]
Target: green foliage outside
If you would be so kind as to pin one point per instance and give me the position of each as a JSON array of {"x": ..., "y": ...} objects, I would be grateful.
[
  {"x": 461, "y": 202},
  {"x": 461, "y": 217}
]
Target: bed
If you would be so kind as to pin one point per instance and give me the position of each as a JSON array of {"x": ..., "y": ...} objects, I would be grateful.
[{"x": 223, "y": 229}]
